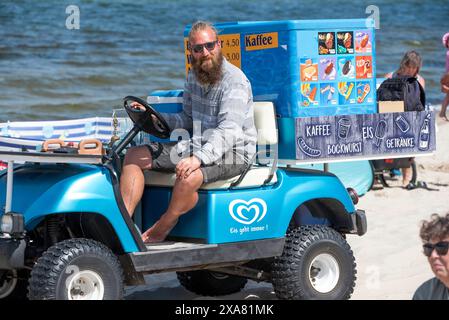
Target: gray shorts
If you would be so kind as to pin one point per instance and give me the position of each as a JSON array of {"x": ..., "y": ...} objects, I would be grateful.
[{"x": 160, "y": 153}]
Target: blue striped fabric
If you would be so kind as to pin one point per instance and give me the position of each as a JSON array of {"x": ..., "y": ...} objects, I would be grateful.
[{"x": 29, "y": 135}]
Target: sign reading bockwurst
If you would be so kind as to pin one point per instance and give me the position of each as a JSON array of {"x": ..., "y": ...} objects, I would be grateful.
[{"x": 365, "y": 135}]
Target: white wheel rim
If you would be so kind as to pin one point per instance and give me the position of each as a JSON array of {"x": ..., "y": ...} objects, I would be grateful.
[
  {"x": 9, "y": 285},
  {"x": 85, "y": 285},
  {"x": 324, "y": 273},
  {"x": 219, "y": 276}
]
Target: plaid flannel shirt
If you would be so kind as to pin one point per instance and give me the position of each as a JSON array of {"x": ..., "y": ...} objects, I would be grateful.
[{"x": 220, "y": 116}]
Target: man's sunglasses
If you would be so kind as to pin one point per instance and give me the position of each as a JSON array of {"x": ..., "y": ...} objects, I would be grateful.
[
  {"x": 200, "y": 47},
  {"x": 441, "y": 248}
]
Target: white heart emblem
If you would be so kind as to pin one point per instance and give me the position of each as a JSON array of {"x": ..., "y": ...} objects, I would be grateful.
[{"x": 256, "y": 205}]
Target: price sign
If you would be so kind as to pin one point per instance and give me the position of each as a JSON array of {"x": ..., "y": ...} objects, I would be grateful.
[{"x": 230, "y": 44}]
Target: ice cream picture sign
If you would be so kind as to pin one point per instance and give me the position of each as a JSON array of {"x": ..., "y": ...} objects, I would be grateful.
[
  {"x": 365, "y": 135},
  {"x": 340, "y": 71}
]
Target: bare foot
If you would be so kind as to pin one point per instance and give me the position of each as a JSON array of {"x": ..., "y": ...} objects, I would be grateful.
[{"x": 159, "y": 231}]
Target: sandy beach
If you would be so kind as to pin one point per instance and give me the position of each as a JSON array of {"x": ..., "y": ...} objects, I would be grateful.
[{"x": 390, "y": 264}]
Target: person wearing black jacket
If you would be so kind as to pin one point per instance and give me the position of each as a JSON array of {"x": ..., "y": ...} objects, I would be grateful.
[{"x": 410, "y": 66}]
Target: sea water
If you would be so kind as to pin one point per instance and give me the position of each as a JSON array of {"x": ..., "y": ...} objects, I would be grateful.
[{"x": 51, "y": 72}]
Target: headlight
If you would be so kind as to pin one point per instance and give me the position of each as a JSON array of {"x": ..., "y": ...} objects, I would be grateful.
[
  {"x": 6, "y": 223},
  {"x": 12, "y": 223}
]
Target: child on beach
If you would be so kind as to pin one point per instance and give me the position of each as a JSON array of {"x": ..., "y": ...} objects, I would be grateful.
[{"x": 445, "y": 79}]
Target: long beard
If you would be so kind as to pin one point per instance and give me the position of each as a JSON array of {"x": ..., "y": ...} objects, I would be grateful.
[{"x": 213, "y": 74}]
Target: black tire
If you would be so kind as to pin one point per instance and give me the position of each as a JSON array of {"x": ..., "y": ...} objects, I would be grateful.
[
  {"x": 292, "y": 272},
  {"x": 208, "y": 283},
  {"x": 77, "y": 261},
  {"x": 14, "y": 284}
]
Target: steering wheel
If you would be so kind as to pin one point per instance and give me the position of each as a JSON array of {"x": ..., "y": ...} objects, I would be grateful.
[{"x": 148, "y": 120}]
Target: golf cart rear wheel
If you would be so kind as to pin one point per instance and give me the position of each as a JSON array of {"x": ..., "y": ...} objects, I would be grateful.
[
  {"x": 208, "y": 283},
  {"x": 317, "y": 263},
  {"x": 77, "y": 269}
]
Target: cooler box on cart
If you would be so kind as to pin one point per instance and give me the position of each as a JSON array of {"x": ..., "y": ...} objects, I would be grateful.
[{"x": 307, "y": 68}]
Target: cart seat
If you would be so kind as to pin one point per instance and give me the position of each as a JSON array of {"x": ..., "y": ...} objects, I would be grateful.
[{"x": 265, "y": 122}]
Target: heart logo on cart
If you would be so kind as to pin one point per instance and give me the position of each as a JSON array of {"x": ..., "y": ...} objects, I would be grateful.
[{"x": 247, "y": 212}]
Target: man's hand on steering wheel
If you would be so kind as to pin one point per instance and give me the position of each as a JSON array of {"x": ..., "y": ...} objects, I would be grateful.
[
  {"x": 146, "y": 118},
  {"x": 137, "y": 106},
  {"x": 140, "y": 107}
]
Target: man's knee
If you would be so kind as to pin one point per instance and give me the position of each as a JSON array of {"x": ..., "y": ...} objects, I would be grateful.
[
  {"x": 192, "y": 182},
  {"x": 139, "y": 156}
]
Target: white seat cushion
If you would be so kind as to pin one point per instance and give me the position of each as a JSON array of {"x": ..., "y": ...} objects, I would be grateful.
[
  {"x": 265, "y": 122},
  {"x": 254, "y": 178}
]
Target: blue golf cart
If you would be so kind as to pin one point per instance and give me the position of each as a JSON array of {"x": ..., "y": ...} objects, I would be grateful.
[{"x": 65, "y": 233}]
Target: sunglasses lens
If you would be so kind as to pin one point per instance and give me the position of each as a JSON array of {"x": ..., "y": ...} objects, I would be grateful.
[
  {"x": 442, "y": 248},
  {"x": 427, "y": 248},
  {"x": 198, "y": 48},
  {"x": 210, "y": 45}
]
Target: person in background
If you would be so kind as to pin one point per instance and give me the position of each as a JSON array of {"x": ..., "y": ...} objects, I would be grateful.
[
  {"x": 445, "y": 79},
  {"x": 410, "y": 65},
  {"x": 435, "y": 235}
]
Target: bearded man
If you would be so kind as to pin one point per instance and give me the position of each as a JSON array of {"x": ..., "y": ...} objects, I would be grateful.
[{"x": 218, "y": 107}]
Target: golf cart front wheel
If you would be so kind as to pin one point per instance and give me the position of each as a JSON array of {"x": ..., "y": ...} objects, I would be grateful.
[
  {"x": 14, "y": 284},
  {"x": 317, "y": 263},
  {"x": 77, "y": 269}
]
